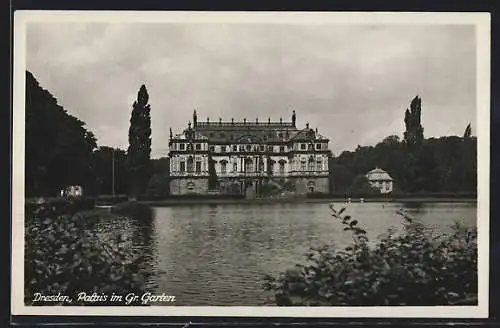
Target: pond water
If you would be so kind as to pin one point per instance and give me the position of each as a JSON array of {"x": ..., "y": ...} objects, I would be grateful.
[{"x": 219, "y": 254}]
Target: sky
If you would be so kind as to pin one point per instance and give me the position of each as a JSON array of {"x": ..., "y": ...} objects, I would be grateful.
[{"x": 352, "y": 82}]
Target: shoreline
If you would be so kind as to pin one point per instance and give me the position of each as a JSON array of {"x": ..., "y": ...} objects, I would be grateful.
[{"x": 181, "y": 202}]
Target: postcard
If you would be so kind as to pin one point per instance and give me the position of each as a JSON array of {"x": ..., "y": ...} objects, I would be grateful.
[{"x": 256, "y": 164}]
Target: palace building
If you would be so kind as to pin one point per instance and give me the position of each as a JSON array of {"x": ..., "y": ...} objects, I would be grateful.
[{"x": 248, "y": 158}]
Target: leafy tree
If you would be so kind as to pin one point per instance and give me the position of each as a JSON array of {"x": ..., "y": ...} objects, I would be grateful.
[
  {"x": 139, "y": 149},
  {"x": 391, "y": 140},
  {"x": 414, "y": 134},
  {"x": 159, "y": 183},
  {"x": 59, "y": 149},
  {"x": 341, "y": 177},
  {"x": 104, "y": 164},
  {"x": 361, "y": 185}
]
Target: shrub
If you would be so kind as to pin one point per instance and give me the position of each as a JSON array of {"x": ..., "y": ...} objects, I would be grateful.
[
  {"x": 412, "y": 268},
  {"x": 63, "y": 255}
]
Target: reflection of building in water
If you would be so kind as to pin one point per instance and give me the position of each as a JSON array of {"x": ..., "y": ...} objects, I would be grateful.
[
  {"x": 381, "y": 180},
  {"x": 248, "y": 158}
]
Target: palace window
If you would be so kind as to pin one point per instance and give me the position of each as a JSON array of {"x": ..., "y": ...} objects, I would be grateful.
[
  {"x": 223, "y": 167},
  {"x": 319, "y": 166},
  {"x": 190, "y": 164},
  {"x": 223, "y": 149},
  {"x": 182, "y": 146},
  {"x": 318, "y": 146},
  {"x": 248, "y": 165},
  {"x": 310, "y": 164},
  {"x": 303, "y": 146},
  {"x": 282, "y": 167},
  {"x": 310, "y": 147},
  {"x": 198, "y": 166},
  {"x": 235, "y": 167},
  {"x": 197, "y": 146},
  {"x": 190, "y": 186},
  {"x": 183, "y": 166},
  {"x": 235, "y": 148},
  {"x": 261, "y": 147},
  {"x": 303, "y": 165},
  {"x": 212, "y": 148},
  {"x": 311, "y": 186},
  {"x": 282, "y": 149},
  {"x": 269, "y": 148},
  {"x": 249, "y": 148}
]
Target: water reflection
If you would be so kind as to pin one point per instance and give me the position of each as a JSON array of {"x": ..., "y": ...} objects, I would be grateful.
[{"x": 219, "y": 254}]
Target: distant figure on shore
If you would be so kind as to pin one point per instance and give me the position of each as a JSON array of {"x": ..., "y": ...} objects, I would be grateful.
[{"x": 362, "y": 200}]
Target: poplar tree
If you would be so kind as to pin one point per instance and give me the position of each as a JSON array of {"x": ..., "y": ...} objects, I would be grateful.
[
  {"x": 414, "y": 134},
  {"x": 139, "y": 149}
]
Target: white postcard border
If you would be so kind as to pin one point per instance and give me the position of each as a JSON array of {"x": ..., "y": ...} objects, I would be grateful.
[{"x": 480, "y": 20}]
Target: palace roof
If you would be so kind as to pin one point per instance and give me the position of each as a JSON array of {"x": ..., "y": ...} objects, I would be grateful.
[{"x": 250, "y": 132}]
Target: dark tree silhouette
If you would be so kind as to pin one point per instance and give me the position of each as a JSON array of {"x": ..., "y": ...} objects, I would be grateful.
[
  {"x": 468, "y": 131},
  {"x": 139, "y": 149},
  {"x": 414, "y": 134},
  {"x": 107, "y": 158},
  {"x": 59, "y": 149},
  {"x": 212, "y": 174}
]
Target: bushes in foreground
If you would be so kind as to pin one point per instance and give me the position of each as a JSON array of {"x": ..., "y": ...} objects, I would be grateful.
[
  {"x": 63, "y": 254},
  {"x": 410, "y": 268}
]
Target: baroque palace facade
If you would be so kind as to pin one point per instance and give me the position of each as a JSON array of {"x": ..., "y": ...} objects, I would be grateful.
[{"x": 248, "y": 157}]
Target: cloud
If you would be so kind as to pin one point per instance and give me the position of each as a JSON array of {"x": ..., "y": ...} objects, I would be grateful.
[{"x": 352, "y": 82}]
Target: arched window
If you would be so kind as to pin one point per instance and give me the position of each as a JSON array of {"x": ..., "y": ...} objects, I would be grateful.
[
  {"x": 248, "y": 164},
  {"x": 190, "y": 164},
  {"x": 319, "y": 165},
  {"x": 282, "y": 166},
  {"x": 190, "y": 186},
  {"x": 310, "y": 164},
  {"x": 311, "y": 185},
  {"x": 223, "y": 167},
  {"x": 270, "y": 166}
]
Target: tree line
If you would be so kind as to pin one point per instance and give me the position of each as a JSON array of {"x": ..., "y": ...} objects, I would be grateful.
[
  {"x": 417, "y": 164},
  {"x": 61, "y": 151}
]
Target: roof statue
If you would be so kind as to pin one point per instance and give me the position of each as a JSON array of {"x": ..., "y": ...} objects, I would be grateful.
[{"x": 229, "y": 131}]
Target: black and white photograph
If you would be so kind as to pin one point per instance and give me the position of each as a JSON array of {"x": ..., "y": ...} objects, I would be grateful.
[{"x": 251, "y": 164}]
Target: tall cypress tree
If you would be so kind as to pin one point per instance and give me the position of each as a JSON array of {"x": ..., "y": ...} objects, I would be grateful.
[
  {"x": 414, "y": 134},
  {"x": 139, "y": 149}
]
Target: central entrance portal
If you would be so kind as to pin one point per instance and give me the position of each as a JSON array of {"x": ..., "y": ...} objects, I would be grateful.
[{"x": 251, "y": 188}]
